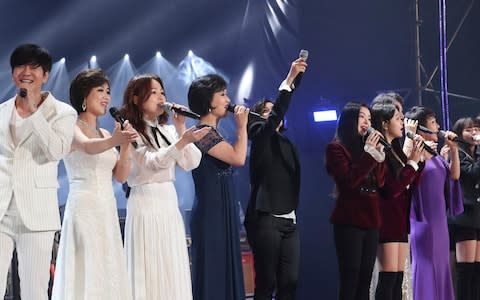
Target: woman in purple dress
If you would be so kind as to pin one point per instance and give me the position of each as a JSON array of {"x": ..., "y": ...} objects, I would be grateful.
[{"x": 437, "y": 195}]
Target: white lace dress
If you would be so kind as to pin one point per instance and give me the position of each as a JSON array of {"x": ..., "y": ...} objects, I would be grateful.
[{"x": 91, "y": 263}]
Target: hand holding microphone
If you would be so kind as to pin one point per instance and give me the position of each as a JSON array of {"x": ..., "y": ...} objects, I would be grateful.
[
  {"x": 241, "y": 114},
  {"x": 122, "y": 137},
  {"x": 374, "y": 137},
  {"x": 118, "y": 117},
  {"x": 410, "y": 125},
  {"x": 231, "y": 108},
  {"x": 418, "y": 147},
  {"x": 297, "y": 69},
  {"x": 449, "y": 136},
  {"x": 425, "y": 146}
]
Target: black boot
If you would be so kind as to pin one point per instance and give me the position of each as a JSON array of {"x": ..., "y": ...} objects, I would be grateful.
[
  {"x": 464, "y": 272},
  {"x": 476, "y": 281},
  {"x": 386, "y": 282},
  {"x": 397, "y": 288}
]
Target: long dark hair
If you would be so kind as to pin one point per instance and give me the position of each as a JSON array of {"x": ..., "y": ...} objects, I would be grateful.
[
  {"x": 458, "y": 128},
  {"x": 347, "y": 128},
  {"x": 138, "y": 90},
  {"x": 383, "y": 112}
]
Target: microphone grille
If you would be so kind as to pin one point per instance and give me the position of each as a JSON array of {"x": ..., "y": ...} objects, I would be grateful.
[
  {"x": 441, "y": 133},
  {"x": 303, "y": 54},
  {"x": 22, "y": 93},
  {"x": 231, "y": 107},
  {"x": 167, "y": 106},
  {"x": 113, "y": 111},
  {"x": 410, "y": 134}
]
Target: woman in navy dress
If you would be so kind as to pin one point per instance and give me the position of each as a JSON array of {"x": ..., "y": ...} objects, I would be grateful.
[{"x": 215, "y": 225}]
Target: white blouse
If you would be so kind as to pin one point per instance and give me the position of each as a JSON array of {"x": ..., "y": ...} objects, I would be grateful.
[{"x": 154, "y": 164}]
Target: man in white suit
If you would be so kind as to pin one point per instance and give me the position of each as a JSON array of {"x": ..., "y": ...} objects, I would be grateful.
[{"x": 36, "y": 131}]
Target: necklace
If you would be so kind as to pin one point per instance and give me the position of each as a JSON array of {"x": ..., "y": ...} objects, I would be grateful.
[{"x": 94, "y": 130}]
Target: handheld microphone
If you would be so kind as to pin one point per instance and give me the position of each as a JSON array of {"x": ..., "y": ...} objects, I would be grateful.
[
  {"x": 424, "y": 129},
  {"x": 231, "y": 108},
  {"x": 303, "y": 55},
  {"x": 441, "y": 133},
  {"x": 457, "y": 139},
  {"x": 167, "y": 106},
  {"x": 118, "y": 117},
  {"x": 22, "y": 92},
  {"x": 381, "y": 140},
  {"x": 425, "y": 146}
]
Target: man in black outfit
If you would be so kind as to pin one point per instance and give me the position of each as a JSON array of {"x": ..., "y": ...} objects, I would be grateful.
[{"x": 275, "y": 184}]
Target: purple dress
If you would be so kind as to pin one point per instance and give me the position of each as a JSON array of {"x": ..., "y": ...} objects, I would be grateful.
[{"x": 431, "y": 278}]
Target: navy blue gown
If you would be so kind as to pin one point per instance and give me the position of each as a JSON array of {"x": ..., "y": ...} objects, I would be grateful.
[{"x": 214, "y": 226}]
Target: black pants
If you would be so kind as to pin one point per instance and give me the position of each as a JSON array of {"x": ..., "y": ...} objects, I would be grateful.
[
  {"x": 356, "y": 251},
  {"x": 276, "y": 253}
]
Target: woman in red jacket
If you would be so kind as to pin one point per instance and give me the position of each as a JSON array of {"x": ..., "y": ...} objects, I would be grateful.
[
  {"x": 401, "y": 173},
  {"x": 356, "y": 164}
]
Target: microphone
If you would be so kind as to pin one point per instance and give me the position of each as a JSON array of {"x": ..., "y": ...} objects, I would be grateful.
[
  {"x": 424, "y": 129},
  {"x": 22, "y": 92},
  {"x": 167, "y": 106},
  {"x": 441, "y": 133},
  {"x": 381, "y": 141},
  {"x": 457, "y": 139},
  {"x": 303, "y": 55},
  {"x": 118, "y": 117},
  {"x": 426, "y": 147},
  {"x": 231, "y": 108}
]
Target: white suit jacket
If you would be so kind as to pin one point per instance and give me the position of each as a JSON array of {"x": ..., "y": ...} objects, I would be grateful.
[{"x": 29, "y": 169}]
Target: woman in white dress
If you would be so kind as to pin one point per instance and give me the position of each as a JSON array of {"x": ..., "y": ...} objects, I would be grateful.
[
  {"x": 91, "y": 263},
  {"x": 157, "y": 257}
]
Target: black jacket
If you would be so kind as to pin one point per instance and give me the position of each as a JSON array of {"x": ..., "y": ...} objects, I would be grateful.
[
  {"x": 470, "y": 182},
  {"x": 274, "y": 165}
]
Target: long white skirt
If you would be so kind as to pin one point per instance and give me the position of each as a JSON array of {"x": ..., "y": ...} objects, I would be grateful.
[
  {"x": 155, "y": 244},
  {"x": 91, "y": 263}
]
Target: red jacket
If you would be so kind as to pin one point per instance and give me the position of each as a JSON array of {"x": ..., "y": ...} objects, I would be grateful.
[
  {"x": 395, "y": 205},
  {"x": 354, "y": 206}
]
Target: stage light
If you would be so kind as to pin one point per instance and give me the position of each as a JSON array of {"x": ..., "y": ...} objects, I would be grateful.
[
  {"x": 158, "y": 54},
  {"x": 63, "y": 60},
  {"x": 190, "y": 53},
  {"x": 93, "y": 59},
  {"x": 325, "y": 115},
  {"x": 126, "y": 57}
]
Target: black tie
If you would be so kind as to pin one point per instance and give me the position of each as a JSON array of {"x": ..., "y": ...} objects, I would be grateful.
[{"x": 154, "y": 133}]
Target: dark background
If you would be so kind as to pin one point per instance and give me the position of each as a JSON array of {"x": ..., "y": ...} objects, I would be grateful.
[{"x": 357, "y": 48}]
